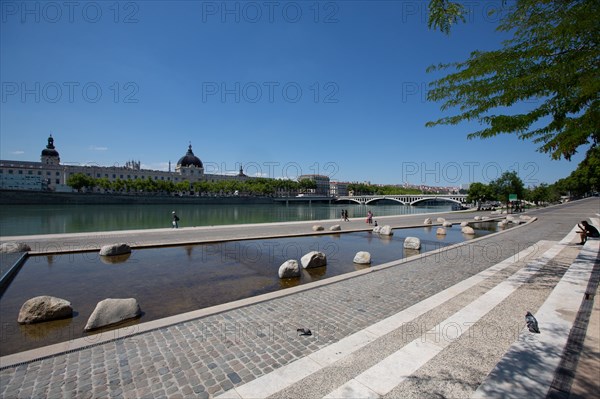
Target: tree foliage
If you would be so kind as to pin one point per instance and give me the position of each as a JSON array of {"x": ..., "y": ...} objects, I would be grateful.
[{"x": 550, "y": 65}]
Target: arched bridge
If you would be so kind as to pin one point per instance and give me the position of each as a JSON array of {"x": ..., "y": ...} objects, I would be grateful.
[{"x": 408, "y": 199}]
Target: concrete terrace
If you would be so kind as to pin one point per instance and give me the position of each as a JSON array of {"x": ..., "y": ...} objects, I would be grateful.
[{"x": 448, "y": 324}]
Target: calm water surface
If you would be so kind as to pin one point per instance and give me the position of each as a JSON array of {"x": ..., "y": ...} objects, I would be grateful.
[
  {"x": 55, "y": 219},
  {"x": 169, "y": 281}
]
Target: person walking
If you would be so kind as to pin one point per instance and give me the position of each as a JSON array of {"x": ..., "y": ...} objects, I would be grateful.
[
  {"x": 175, "y": 220},
  {"x": 369, "y": 217}
]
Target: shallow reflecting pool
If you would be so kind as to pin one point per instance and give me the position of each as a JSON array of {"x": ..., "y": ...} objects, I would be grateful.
[{"x": 173, "y": 280}]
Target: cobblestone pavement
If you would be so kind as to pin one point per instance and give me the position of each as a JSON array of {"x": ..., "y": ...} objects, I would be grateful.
[{"x": 205, "y": 357}]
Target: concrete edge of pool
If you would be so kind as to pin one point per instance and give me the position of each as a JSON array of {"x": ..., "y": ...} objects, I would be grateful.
[{"x": 130, "y": 331}]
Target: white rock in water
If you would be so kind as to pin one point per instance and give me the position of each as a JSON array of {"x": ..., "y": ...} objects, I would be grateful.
[
  {"x": 376, "y": 229},
  {"x": 477, "y": 218},
  {"x": 412, "y": 243},
  {"x": 289, "y": 268},
  {"x": 363, "y": 258},
  {"x": 44, "y": 308},
  {"x": 318, "y": 227},
  {"x": 313, "y": 259},
  {"x": 115, "y": 249},
  {"x": 468, "y": 230},
  {"x": 440, "y": 231},
  {"x": 447, "y": 224},
  {"x": 13, "y": 247},
  {"x": 111, "y": 311},
  {"x": 441, "y": 220},
  {"x": 463, "y": 224},
  {"x": 386, "y": 230},
  {"x": 335, "y": 227},
  {"x": 427, "y": 221}
]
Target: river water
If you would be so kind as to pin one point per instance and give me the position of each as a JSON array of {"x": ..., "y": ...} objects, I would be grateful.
[{"x": 56, "y": 219}]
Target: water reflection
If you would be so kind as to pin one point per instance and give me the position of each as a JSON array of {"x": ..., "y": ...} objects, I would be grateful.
[{"x": 54, "y": 219}]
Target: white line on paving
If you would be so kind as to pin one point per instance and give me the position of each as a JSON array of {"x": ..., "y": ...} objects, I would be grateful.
[
  {"x": 279, "y": 379},
  {"x": 528, "y": 367},
  {"x": 391, "y": 371}
]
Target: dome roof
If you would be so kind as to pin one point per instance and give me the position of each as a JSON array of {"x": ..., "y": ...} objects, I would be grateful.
[
  {"x": 50, "y": 150},
  {"x": 189, "y": 159}
]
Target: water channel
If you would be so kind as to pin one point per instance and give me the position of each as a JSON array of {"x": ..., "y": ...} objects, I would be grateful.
[{"x": 174, "y": 280}]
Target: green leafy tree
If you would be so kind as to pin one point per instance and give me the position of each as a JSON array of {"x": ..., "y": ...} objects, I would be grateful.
[
  {"x": 550, "y": 65},
  {"x": 542, "y": 194},
  {"x": 479, "y": 192},
  {"x": 508, "y": 183},
  {"x": 79, "y": 180}
]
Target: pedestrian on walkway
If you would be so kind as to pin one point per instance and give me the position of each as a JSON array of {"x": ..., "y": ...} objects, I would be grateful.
[
  {"x": 369, "y": 217},
  {"x": 346, "y": 215},
  {"x": 587, "y": 230},
  {"x": 175, "y": 220}
]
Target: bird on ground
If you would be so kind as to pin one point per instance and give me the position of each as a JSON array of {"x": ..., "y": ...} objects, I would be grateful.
[
  {"x": 532, "y": 323},
  {"x": 304, "y": 331}
]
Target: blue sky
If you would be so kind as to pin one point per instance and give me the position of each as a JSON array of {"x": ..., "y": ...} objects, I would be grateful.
[{"x": 285, "y": 88}]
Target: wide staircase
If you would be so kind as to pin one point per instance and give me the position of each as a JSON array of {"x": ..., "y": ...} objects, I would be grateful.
[{"x": 469, "y": 340}]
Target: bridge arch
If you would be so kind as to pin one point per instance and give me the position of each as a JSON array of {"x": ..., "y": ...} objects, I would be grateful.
[
  {"x": 373, "y": 200},
  {"x": 348, "y": 200},
  {"x": 436, "y": 199}
]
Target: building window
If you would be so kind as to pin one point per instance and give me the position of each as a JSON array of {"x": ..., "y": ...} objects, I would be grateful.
[
  {"x": 30, "y": 172},
  {"x": 106, "y": 175},
  {"x": 97, "y": 174},
  {"x": 10, "y": 171},
  {"x": 47, "y": 173},
  {"x": 57, "y": 181},
  {"x": 20, "y": 172},
  {"x": 57, "y": 173},
  {"x": 115, "y": 176},
  {"x": 121, "y": 176},
  {"x": 39, "y": 172}
]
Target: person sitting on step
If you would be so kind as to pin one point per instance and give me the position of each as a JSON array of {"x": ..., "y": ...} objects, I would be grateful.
[{"x": 587, "y": 230}]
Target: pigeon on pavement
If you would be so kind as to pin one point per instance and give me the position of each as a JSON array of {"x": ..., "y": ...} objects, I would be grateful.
[
  {"x": 532, "y": 323},
  {"x": 304, "y": 331}
]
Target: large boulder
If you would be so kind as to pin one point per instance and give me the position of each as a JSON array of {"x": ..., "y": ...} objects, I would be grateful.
[
  {"x": 441, "y": 220},
  {"x": 463, "y": 224},
  {"x": 115, "y": 249},
  {"x": 318, "y": 227},
  {"x": 313, "y": 259},
  {"x": 111, "y": 311},
  {"x": 412, "y": 243},
  {"x": 386, "y": 230},
  {"x": 440, "y": 231},
  {"x": 335, "y": 227},
  {"x": 44, "y": 308},
  {"x": 289, "y": 269},
  {"x": 468, "y": 230},
  {"x": 377, "y": 229},
  {"x": 477, "y": 218},
  {"x": 447, "y": 224},
  {"x": 363, "y": 258},
  {"x": 12, "y": 247},
  {"x": 427, "y": 221}
]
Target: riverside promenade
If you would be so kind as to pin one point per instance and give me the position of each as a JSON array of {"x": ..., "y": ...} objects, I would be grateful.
[{"x": 445, "y": 324}]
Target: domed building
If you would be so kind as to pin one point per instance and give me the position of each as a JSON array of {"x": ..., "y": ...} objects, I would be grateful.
[
  {"x": 189, "y": 164},
  {"x": 49, "y": 154}
]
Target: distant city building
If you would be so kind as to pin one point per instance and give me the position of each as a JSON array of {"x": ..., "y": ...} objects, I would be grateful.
[
  {"x": 50, "y": 174},
  {"x": 322, "y": 184},
  {"x": 338, "y": 189}
]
